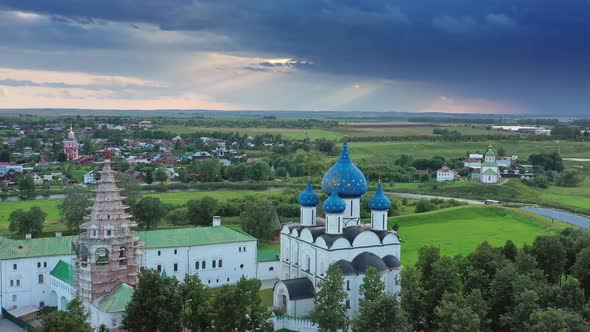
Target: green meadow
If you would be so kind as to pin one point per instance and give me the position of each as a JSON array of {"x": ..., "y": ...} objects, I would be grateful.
[{"x": 459, "y": 230}]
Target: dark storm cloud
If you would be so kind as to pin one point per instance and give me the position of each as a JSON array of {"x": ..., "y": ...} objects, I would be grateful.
[{"x": 530, "y": 51}]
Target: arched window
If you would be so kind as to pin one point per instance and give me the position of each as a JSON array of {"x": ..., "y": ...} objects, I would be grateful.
[{"x": 102, "y": 256}]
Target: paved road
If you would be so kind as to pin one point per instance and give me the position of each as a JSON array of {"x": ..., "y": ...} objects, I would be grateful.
[
  {"x": 567, "y": 217},
  {"x": 418, "y": 196},
  {"x": 8, "y": 326}
]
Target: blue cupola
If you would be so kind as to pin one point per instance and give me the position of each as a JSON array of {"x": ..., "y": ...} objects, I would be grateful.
[
  {"x": 334, "y": 204},
  {"x": 350, "y": 180},
  {"x": 308, "y": 197},
  {"x": 379, "y": 202}
]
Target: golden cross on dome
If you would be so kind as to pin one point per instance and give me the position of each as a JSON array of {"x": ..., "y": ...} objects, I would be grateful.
[{"x": 346, "y": 126}]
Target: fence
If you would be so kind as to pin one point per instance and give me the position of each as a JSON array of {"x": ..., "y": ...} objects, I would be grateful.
[
  {"x": 28, "y": 327},
  {"x": 294, "y": 324}
]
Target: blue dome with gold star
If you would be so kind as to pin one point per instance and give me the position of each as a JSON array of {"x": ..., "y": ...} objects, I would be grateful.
[
  {"x": 379, "y": 202},
  {"x": 350, "y": 180},
  {"x": 308, "y": 197},
  {"x": 334, "y": 204}
]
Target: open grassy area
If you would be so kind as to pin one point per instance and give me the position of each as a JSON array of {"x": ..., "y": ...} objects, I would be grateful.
[
  {"x": 390, "y": 151},
  {"x": 49, "y": 206},
  {"x": 287, "y": 133},
  {"x": 459, "y": 230},
  {"x": 179, "y": 198}
]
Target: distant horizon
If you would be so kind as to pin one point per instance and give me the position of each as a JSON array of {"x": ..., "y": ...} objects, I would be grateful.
[{"x": 354, "y": 114}]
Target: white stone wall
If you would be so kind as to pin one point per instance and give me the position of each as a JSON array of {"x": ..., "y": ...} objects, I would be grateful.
[
  {"x": 268, "y": 270},
  {"x": 237, "y": 259},
  {"x": 26, "y": 288}
]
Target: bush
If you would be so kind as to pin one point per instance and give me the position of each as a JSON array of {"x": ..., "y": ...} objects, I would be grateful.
[{"x": 569, "y": 178}]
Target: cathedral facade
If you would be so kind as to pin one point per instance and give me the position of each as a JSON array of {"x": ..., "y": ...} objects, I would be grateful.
[{"x": 309, "y": 247}]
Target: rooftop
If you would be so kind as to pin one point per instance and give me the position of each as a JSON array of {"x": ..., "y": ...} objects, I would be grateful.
[
  {"x": 167, "y": 238},
  {"x": 117, "y": 300},
  {"x": 63, "y": 272}
]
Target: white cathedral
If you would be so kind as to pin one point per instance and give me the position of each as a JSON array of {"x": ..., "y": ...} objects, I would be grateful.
[{"x": 309, "y": 247}]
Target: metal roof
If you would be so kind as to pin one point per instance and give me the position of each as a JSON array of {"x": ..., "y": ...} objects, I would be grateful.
[
  {"x": 117, "y": 299},
  {"x": 63, "y": 272},
  {"x": 166, "y": 238}
]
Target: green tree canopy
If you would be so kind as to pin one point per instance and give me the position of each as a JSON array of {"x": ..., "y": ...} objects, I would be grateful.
[
  {"x": 25, "y": 183},
  {"x": 74, "y": 319},
  {"x": 200, "y": 212},
  {"x": 156, "y": 304},
  {"x": 74, "y": 207},
  {"x": 23, "y": 222},
  {"x": 256, "y": 218},
  {"x": 330, "y": 312},
  {"x": 148, "y": 212}
]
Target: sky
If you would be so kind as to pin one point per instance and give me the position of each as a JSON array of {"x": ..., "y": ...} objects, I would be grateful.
[{"x": 455, "y": 56}]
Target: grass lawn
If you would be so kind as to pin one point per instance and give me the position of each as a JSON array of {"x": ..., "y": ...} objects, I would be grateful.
[
  {"x": 459, "y": 230},
  {"x": 390, "y": 151},
  {"x": 179, "y": 198},
  {"x": 49, "y": 206},
  {"x": 266, "y": 297}
]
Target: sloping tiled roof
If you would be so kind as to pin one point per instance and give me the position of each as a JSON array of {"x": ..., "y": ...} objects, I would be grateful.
[
  {"x": 63, "y": 272},
  {"x": 50, "y": 246},
  {"x": 166, "y": 238},
  {"x": 117, "y": 299},
  {"x": 194, "y": 236},
  {"x": 490, "y": 172}
]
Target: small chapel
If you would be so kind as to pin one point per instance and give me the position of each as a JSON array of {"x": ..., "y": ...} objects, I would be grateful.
[
  {"x": 309, "y": 247},
  {"x": 71, "y": 145}
]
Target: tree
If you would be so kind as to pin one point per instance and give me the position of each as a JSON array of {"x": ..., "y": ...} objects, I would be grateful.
[
  {"x": 149, "y": 176},
  {"x": 452, "y": 314},
  {"x": 501, "y": 151},
  {"x": 156, "y": 304},
  {"x": 444, "y": 279},
  {"x": 23, "y": 222},
  {"x": 330, "y": 312},
  {"x": 131, "y": 189},
  {"x": 26, "y": 184},
  {"x": 424, "y": 205},
  {"x": 209, "y": 170},
  {"x": 74, "y": 319},
  {"x": 161, "y": 175},
  {"x": 412, "y": 296},
  {"x": 372, "y": 287},
  {"x": 581, "y": 269},
  {"x": 197, "y": 312},
  {"x": 148, "y": 212},
  {"x": 550, "y": 254},
  {"x": 569, "y": 178},
  {"x": 324, "y": 145},
  {"x": 382, "y": 315},
  {"x": 555, "y": 319},
  {"x": 258, "y": 171},
  {"x": 178, "y": 216},
  {"x": 74, "y": 207},
  {"x": 239, "y": 308},
  {"x": 256, "y": 218},
  {"x": 4, "y": 155},
  {"x": 518, "y": 318},
  {"x": 201, "y": 212},
  {"x": 510, "y": 250}
]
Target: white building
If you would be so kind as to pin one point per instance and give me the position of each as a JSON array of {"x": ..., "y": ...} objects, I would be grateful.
[
  {"x": 490, "y": 172},
  {"x": 309, "y": 247},
  {"x": 446, "y": 174},
  {"x": 37, "y": 179},
  {"x": 90, "y": 178}
]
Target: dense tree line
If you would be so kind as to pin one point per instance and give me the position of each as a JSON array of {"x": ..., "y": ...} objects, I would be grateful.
[{"x": 162, "y": 303}]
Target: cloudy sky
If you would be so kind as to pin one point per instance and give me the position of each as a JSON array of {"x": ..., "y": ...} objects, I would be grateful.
[{"x": 485, "y": 56}]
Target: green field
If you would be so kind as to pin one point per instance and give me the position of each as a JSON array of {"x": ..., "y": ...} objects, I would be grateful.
[
  {"x": 179, "y": 198},
  {"x": 49, "y": 206},
  {"x": 390, "y": 151},
  {"x": 459, "y": 230}
]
